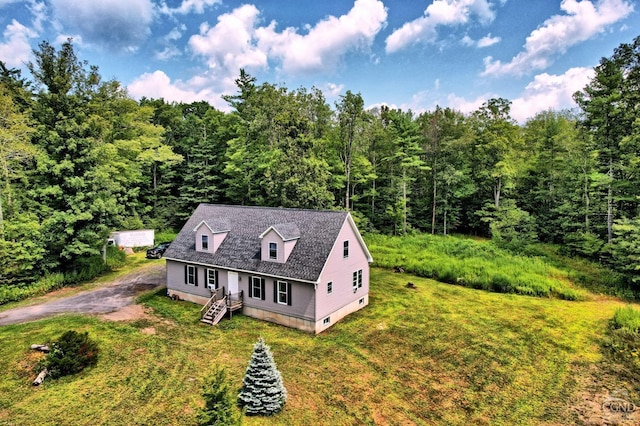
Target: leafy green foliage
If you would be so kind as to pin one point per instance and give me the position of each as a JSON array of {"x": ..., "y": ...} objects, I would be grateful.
[
  {"x": 115, "y": 258},
  {"x": 512, "y": 227},
  {"x": 79, "y": 158},
  {"x": 70, "y": 354},
  {"x": 263, "y": 392},
  {"x": 219, "y": 408},
  {"x": 626, "y": 248}
]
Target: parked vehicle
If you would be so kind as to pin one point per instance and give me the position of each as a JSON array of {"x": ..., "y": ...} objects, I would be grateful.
[{"x": 157, "y": 251}]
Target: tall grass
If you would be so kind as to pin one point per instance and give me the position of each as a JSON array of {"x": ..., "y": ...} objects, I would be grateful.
[
  {"x": 627, "y": 319},
  {"x": 622, "y": 346},
  {"x": 475, "y": 264}
]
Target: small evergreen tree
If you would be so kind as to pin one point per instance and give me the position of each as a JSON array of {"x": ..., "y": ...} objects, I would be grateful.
[
  {"x": 263, "y": 392},
  {"x": 219, "y": 406}
]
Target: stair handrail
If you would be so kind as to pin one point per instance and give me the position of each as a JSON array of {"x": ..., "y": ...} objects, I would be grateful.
[{"x": 207, "y": 305}]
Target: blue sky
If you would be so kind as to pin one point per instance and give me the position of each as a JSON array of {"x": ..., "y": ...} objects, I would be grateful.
[{"x": 411, "y": 54}]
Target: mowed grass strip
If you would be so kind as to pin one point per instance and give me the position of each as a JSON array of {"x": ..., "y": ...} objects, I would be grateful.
[
  {"x": 475, "y": 264},
  {"x": 437, "y": 354}
]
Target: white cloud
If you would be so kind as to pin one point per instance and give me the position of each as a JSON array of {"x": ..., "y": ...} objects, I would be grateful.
[
  {"x": 167, "y": 53},
  {"x": 440, "y": 12},
  {"x": 325, "y": 43},
  {"x": 16, "y": 50},
  {"x": 467, "y": 106},
  {"x": 332, "y": 90},
  {"x": 550, "y": 92},
  {"x": 488, "y": 41},
  {"x": 188, "y": 6},
  {"x": 62, "y": 38},
  {"x": 39, "y": 12},
  {"x": 238, "y": 40},
  {"x": 583, "y": 20},
  {"x": 116, "y": 24},
  {"x": 467, "y": 41},
  {"x": 485, "y": 41},
  {"x": 175, "y": 33},
  {"x": 545, "y": 92},
  {"x": 158, "y": 85},
  {"x": 231, "y": 44}
]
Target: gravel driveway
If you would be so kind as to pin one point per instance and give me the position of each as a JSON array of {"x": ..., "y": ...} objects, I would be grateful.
[{"x": 113, "y": 297}]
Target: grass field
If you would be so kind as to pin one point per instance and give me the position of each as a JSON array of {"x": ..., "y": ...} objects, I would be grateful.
[
  {"x": 437, "y": 354},
  {"x": 475, "y": 264}
]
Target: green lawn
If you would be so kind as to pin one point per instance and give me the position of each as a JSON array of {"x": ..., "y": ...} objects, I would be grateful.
[
  {"x": 476, "y": 264},
  {"x": 438, "y": 354}
]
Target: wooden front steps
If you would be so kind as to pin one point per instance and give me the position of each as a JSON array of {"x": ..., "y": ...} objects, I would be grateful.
[
  {"x": 216, "y": 312},
  {"x": 217, "y": 307}
]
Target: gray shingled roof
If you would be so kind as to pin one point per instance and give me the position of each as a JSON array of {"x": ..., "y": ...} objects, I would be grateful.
[
  {"x": 216, "y": 226},
  {"x": 240, "y": 250},
  {"x": 288, "y": 231}
]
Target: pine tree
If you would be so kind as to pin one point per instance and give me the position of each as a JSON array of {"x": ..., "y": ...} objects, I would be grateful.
[
  {"x": 263, "y": 392},
  {"x": 219, "y": 409}
]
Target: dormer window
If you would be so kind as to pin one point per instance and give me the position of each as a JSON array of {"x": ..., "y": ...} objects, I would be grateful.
[
  {"x": 278, "y": 242},
  {"x": 210, "y": 235}
]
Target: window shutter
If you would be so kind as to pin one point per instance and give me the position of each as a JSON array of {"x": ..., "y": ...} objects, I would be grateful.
[
  {"x": 217, "y": 284},
  {"x": 195, "y": 276},
  {"x": 275, "y": 291},
  {"x": 289, "y": 294},
  {"x": 186, "y": 274},
  {"x": 250, "y": 286},
  {"x": 262, "y": 288}
]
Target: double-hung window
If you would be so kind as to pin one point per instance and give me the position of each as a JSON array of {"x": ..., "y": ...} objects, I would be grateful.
[
  {"x": 357, "y": 280},
  {"x": 205, "y": 242},
  {"x": 212, "y": 279},
  {"x": 191, "y": 275},
  {"x": 345, "y": 249},
  {"x": 256, "y": 288},
  {"x": 273, "y": 251},
  {"x": 330, "y": 287},
  {"x": 283, "y": 293}
]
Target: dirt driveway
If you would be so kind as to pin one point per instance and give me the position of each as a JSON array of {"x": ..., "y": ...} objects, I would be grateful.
[{"x": 113, "y": 297}]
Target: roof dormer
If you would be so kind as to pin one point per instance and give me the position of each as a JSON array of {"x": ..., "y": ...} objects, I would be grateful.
[
  {"x": 210, "y": 234},
  {"x": 278, "y": 241}
]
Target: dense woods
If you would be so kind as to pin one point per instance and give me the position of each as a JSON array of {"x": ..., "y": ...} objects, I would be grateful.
[{"x": 79, "y": 158}]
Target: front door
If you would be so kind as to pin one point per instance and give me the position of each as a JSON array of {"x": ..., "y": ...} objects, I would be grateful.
[{"x": 233, "y": 282}]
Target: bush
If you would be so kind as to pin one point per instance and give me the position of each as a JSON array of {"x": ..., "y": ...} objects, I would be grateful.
[
  {"x": 115, "y": 258},
  {"x": 72, "y": 353},
  {"x": 86, "y": 268},
  {"x": 17, "y": 293},
  {"x": 627, "y": 319},
  {"x": 219, "y": 407}
]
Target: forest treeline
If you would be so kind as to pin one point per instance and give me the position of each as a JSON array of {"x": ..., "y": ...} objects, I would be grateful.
[{"x": 80, "y": 158}]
